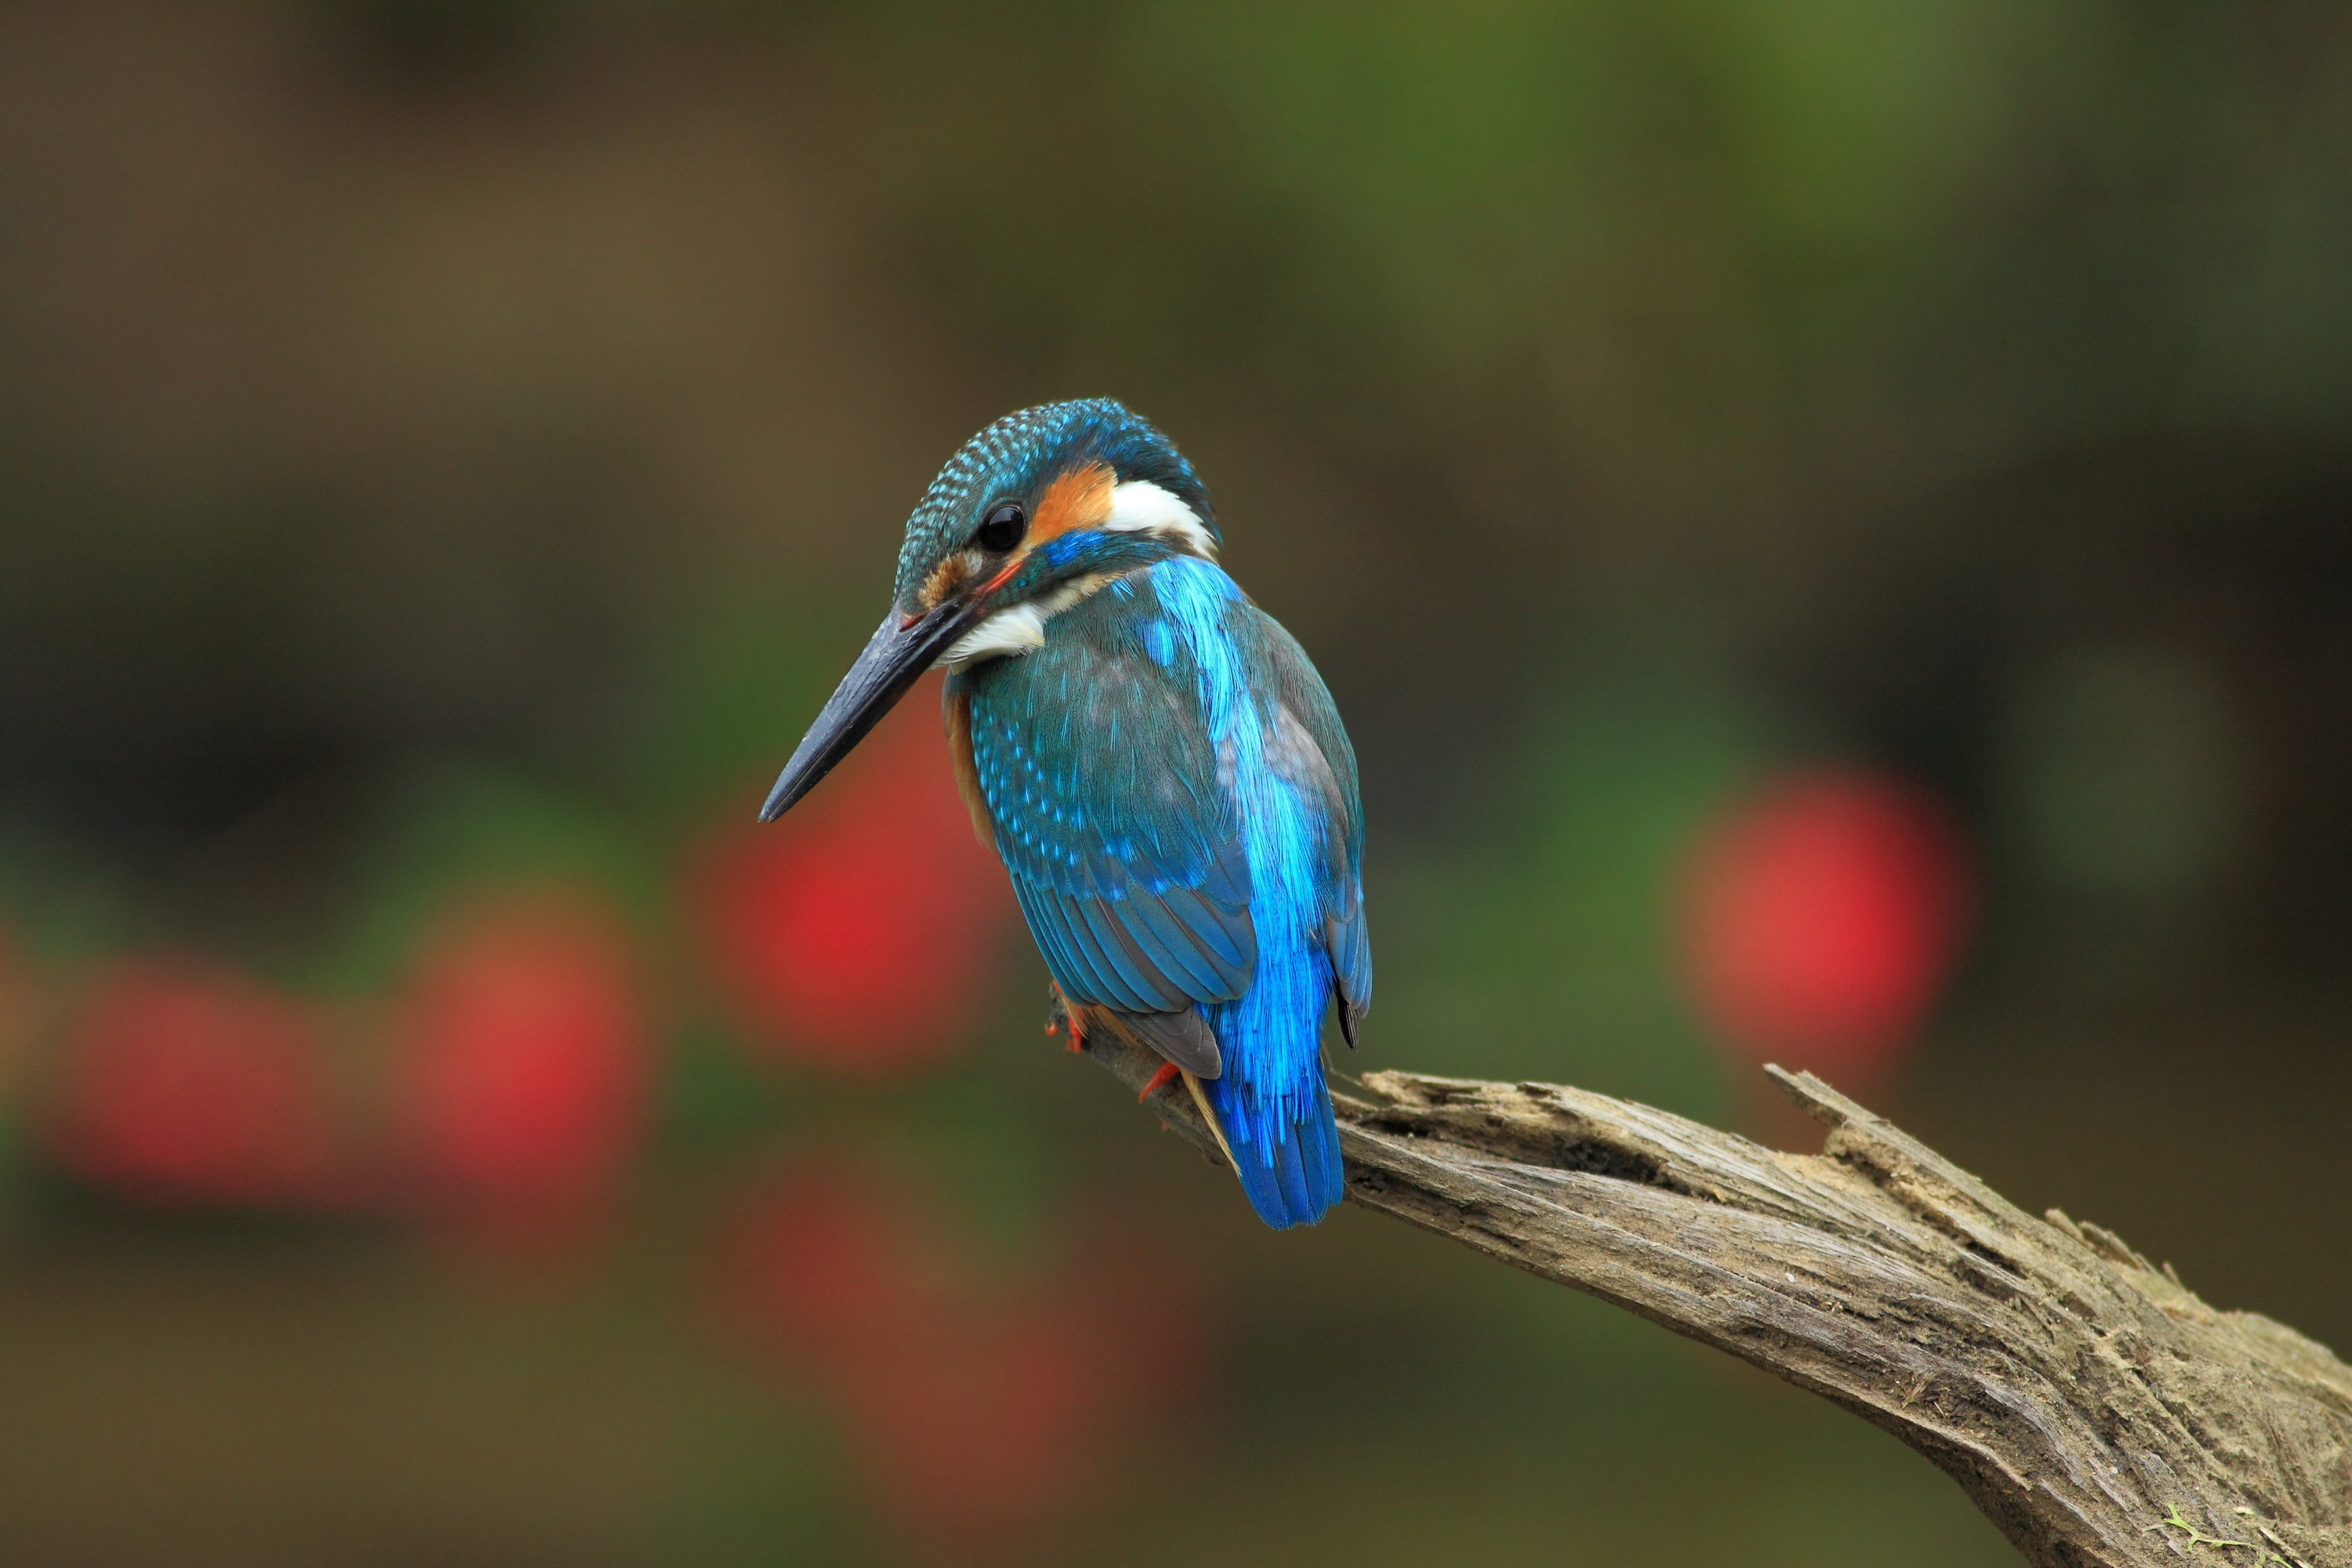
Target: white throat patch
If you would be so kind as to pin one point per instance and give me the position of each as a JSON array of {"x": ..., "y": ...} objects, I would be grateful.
[{"x": 1021, "y": 629}]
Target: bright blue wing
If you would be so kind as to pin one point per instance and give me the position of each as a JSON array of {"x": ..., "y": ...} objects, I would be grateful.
[
  {"x": 1101, "y": 783},
  {"x": 1318, "y": 762},
  {"x": 1296, "y": 789}
]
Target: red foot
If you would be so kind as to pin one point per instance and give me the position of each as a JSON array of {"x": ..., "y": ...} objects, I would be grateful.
[
  {"x": 1159, "y": 1080},
  {"x": 1066, "y": 1013}
]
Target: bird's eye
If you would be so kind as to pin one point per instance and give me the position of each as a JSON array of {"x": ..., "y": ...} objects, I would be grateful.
[{"x": 1002, "y": 529}]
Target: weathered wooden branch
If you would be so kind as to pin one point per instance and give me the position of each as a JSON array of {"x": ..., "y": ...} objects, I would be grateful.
[{"x": 2090, "y": 1403}]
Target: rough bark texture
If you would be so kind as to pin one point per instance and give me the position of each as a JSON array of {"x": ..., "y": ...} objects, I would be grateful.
[{"x": 2092, "y": 1406}]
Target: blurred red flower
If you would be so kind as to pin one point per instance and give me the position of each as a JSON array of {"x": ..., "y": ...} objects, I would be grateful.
[
  {"x": 979, "y": 1407},
  {"x": 524, "y": 1052},
  {"x": 857, "y": 933},
  {"x": 188, "y": 1083},
  {"x": 1823, "y": 917}
]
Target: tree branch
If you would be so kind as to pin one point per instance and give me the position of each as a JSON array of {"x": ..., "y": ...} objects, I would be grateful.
[{"x": 2094, "y": 1407}]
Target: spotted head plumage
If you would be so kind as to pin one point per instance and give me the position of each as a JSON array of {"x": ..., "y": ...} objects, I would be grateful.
[
  {"x": 1035, "y": 513},
  {"x": 1019, "y": 459}
]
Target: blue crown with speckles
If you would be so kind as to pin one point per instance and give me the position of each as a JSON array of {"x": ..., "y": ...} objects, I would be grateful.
[{"x": 1018, "y": 456}]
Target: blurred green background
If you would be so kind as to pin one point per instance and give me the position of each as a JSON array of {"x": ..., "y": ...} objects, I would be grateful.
[{"x": 1789, "y": 466}]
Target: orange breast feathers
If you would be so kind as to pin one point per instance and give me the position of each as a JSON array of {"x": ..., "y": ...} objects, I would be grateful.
[{"x": 967, "y": 772}]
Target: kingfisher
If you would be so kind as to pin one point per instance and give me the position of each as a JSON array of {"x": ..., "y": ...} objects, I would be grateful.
[{"x": 1154, "y": 759}]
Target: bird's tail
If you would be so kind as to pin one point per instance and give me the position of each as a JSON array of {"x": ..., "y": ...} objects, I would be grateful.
[{"x": 1285, "y": 1144}]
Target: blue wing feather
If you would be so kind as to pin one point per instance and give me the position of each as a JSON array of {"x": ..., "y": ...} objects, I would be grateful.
[
  {"x": 1126, "y": 861},
  {"x": 1300, "y": 689}
]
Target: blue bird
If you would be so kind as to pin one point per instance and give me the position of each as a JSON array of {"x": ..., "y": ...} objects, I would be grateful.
[{"x": 1153, "y": 758}]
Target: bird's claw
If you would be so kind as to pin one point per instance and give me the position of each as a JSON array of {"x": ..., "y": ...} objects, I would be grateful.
[
  {"x": 1064, "y": 1013},
  {"x": 1159, "y": 1080}
]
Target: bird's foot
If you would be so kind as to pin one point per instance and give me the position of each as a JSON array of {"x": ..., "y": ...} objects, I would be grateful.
[
  {"x": 1062, "y": 1015},
  {"x": 1159, "y": 1080}
]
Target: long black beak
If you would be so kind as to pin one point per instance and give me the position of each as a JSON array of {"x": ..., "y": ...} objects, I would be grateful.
[{"x": 894, "y": 659}]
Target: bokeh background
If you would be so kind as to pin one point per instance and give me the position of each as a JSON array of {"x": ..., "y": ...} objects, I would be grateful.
[{"x": 1828, "y": 522}]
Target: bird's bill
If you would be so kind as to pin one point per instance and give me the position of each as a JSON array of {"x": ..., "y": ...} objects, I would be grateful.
[{"x": 901, "y": 649}]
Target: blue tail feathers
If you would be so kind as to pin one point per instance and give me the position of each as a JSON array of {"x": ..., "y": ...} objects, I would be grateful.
[{"x": 1286, "y": 1146}]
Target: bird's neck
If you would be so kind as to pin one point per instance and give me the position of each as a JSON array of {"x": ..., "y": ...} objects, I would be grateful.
[{"x": 1020, "y": 629}]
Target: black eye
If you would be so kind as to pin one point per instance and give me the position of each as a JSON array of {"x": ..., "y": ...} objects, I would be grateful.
[{"x": 1002, "y": 529}]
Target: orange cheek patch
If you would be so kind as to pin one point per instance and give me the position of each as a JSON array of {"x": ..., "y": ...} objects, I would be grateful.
[
  {"x": 966, "y": 772},
  {"x": 1079, "y": 498}
]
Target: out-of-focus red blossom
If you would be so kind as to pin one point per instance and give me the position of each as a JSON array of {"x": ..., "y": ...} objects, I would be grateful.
[
  {"x": 184, "y": 1083},
  {"x": 1822, "y": 919},
  {"x": 856, "y": 934},
  {"x": 523, "y": 1042},
  {"x": 979, "y": 1409}
]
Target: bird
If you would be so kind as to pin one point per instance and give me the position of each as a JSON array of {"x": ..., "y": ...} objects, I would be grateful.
[{"x": 1155, "y": 759}]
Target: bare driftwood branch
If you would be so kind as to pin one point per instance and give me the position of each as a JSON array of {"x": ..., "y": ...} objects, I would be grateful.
[{"x": 2092, "y": 1406}]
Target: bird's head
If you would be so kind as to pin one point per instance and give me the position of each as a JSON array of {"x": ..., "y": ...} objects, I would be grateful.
[{"x": 1037, "y": 511}]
